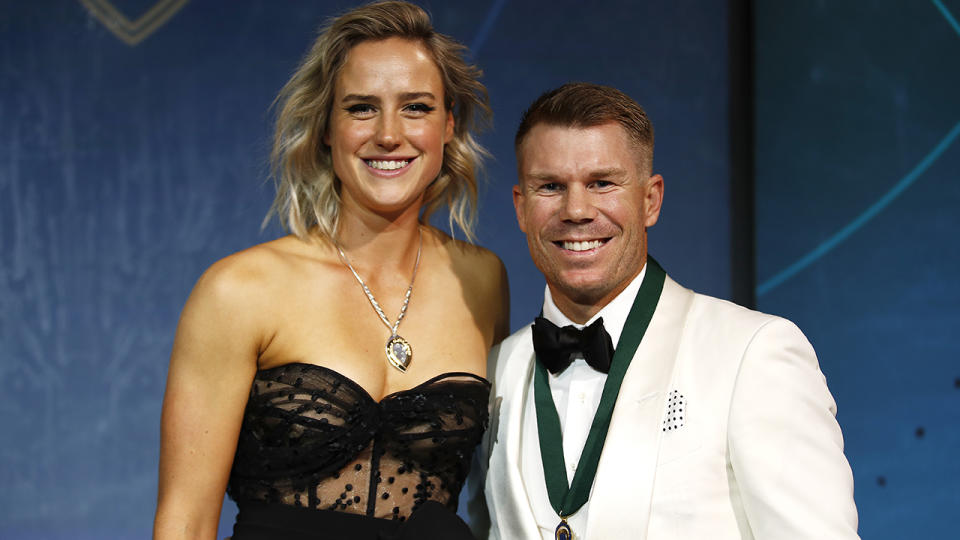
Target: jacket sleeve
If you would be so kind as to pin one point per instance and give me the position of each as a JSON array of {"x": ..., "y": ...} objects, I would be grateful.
[{"x": 786, "y": 448}]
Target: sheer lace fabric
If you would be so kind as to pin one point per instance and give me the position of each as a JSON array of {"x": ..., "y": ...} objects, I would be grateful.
[{"x": 313, "y": 438}]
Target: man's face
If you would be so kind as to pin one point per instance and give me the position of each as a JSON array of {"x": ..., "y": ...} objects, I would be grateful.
[{"x": 584, "y": 205}]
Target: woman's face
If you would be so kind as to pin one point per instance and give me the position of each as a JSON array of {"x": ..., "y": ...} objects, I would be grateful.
[{"x": 388, "y": 126}]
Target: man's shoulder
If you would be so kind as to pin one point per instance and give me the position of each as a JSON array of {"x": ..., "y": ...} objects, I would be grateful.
[
  {"x": 518, "y": 344},
  {"x": 707, "y": 315},
  {"x": 721, "y": 316},
  {"x": 704, "y": 305},
  {"x": 512, "y": 355},
  {"x": 519, "y": 337}
]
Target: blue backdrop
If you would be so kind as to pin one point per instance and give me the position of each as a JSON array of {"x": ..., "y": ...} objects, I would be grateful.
[
  {"x": 857, "y": 217},
  {"x": 133, "y": 154}
]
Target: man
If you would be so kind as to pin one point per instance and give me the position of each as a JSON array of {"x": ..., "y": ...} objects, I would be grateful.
[{"x": 714, "y": 421}]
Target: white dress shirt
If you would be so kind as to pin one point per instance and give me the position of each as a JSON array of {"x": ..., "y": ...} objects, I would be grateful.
[{"x": 576, "y": 393}]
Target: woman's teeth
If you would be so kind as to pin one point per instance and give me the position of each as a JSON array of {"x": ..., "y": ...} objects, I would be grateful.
[
  {"x": 582, "y": 246},
  {"x": 387, "y": 165}
]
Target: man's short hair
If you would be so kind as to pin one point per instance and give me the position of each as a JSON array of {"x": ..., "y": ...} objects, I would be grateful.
[{"x": 583, "y": 105}]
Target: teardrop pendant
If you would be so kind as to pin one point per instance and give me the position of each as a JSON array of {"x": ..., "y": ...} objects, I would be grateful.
[{"x": 399, "y": 352}]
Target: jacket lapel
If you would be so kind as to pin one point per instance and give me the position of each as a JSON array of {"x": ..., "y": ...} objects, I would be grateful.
[
  {"x": 627, "y": 469},
  {"x": 511, "y": 504}
]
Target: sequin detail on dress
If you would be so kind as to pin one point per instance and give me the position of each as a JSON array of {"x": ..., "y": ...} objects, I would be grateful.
[{"x": 313, "y": 438}]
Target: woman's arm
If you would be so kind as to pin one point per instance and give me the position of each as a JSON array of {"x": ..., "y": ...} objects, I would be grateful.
[
  {"x": 212, "y": 366},
  {"x": 488, "y": 279}
]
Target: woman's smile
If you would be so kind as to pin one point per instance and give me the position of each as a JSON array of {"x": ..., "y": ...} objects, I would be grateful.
[{"x": 387, "y": 164}]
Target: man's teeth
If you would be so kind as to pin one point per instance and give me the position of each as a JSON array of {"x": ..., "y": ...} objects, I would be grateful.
[
  {"x": 387, "y": 165},
  {"x": 581, "y": 246}
]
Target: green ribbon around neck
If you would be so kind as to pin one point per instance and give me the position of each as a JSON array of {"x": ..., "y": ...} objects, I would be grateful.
[{"x": 568, "y": 499}]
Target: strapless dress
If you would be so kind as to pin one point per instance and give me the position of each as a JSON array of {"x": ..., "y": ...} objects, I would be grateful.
[{"x": 318, "y": 457}]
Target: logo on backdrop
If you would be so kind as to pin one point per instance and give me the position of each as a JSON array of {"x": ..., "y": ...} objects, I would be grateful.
[{"x": 135, "y": 31}]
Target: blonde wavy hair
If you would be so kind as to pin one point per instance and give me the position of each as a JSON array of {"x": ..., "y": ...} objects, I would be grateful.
[{"x": 308, "y": 191}]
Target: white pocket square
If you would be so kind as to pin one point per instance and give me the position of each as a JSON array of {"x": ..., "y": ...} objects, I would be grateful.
[{"x": 676, "y": 411}]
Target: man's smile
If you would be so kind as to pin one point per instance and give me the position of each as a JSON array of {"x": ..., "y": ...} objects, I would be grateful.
[{"x": 581, "y": 245}]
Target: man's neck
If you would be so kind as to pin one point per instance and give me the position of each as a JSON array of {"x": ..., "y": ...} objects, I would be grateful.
[
  {"x": 614, "y": 313},
  {"x": 582, "y": 310},
  {"x": 580, "y": 313}
]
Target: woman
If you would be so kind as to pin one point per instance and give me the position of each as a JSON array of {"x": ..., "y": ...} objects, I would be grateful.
[{"x": 331, "y": 380}]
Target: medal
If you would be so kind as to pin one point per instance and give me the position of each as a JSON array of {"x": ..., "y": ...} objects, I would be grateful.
[{"x": 568, "y": 498}]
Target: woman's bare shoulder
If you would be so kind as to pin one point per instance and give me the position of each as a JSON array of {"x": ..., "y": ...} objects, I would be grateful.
[
  {"x": 255, "y": 272},
  {"x": 236, "y": 300},
  {"x": 480, "y": 260},
  {"x": 484, "y": 275}
]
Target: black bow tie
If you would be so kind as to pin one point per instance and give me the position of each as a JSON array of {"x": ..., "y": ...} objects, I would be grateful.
[{"x": 555, "y": 347}]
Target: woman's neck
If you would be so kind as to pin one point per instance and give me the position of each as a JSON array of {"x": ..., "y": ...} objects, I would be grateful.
[{"x": 374, "y": 241}]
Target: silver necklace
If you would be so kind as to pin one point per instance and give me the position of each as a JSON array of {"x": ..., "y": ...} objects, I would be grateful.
[{"x": 398, "y": 350}]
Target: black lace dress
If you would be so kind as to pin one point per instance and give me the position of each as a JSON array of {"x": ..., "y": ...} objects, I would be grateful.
[{"x": 318, "y": 457}]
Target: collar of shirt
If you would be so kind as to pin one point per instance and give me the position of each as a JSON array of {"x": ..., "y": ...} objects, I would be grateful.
[{"x": 614, "y": 314}]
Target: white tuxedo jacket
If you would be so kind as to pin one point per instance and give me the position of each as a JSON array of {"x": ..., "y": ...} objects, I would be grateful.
[{"x": 757, "y": 453}]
